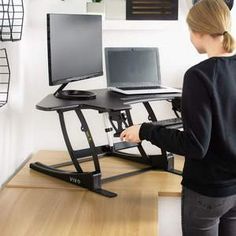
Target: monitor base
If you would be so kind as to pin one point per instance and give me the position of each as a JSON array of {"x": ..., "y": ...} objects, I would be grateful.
[{"x": 75, "y": 95}]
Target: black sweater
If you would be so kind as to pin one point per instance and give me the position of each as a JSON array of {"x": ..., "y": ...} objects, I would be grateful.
[{"x": 208, "y": 140}]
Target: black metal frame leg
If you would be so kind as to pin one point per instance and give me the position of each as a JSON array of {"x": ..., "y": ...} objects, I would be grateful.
[
  {"x": 163, "y": 161},
  {"x": 167, "y": 158},
  {"x": 123, "y": 119},
  {"x": 89, "y": 180}
]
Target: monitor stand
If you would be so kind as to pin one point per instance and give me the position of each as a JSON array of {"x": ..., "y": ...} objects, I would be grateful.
[{"x": 73, "y": 94}]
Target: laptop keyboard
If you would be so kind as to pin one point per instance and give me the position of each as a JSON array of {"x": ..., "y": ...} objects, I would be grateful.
[
  {"x": 175, "y": 123},
  {"x": 169, "y": 122},
  {"x": 141, "y": 88}
]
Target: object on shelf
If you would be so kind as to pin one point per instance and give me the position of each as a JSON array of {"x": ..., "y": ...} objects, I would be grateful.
[
  {"x": 11, "y": 20},
  {"x": 4, "y": 77},
  {"x": 152, "y": 10},
  {"x": 112, "y": 9},
  {"x": 96, "y": 7}
]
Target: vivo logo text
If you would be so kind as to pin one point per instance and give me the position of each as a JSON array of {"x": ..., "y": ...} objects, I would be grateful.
[{"x": 74, "y": 180}]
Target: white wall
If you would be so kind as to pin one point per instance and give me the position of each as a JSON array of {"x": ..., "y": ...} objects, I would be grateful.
[
  {"x": 15, "y": 134},
  {"x": 24, "y": 130}
]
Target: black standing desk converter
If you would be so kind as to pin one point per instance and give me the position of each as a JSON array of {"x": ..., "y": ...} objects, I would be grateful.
[{"x": 116, "y": 110}]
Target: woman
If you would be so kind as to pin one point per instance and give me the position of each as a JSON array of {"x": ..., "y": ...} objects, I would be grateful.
[{"x": 208, "y": 140}]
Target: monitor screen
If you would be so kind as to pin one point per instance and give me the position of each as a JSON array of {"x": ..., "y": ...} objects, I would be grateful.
[
  {"x": 132, "y": 67},
  {"x": 74, "y": 47}
]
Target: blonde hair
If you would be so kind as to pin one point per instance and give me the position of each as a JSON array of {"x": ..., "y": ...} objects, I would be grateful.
[{"x": 212, "y": 17}]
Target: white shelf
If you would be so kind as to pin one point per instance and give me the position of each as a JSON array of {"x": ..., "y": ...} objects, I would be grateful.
[
  {"x": 115, "y": 10},
  {"x": 138, "y": 25}
]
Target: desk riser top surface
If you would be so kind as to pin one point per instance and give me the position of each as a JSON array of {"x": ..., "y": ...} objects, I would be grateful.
[{"x": 105, "y": 101}]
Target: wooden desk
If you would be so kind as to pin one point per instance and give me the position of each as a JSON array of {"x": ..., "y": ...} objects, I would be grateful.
[
  {"x": 161, "y": 182},
  {"x": 36, "y": 204},
  {"x": 51, "y": 212}
]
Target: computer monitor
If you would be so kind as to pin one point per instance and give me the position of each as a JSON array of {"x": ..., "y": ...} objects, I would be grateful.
[{"x": 74, "y": 51}]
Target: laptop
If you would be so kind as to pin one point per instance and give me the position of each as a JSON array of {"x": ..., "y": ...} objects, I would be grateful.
[{"x": 133, "y": 71}]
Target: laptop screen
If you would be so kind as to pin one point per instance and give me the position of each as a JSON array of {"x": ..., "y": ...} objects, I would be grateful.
[{"x": 132, "y": 67}]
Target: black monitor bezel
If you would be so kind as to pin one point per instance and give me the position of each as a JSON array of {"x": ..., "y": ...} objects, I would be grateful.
[{"x": 69, "y": 79}]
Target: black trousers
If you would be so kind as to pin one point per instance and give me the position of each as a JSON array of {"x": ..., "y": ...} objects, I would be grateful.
[{"x": 208, "y": 216}]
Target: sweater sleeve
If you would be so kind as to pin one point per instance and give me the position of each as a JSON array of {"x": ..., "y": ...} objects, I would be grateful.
[{"x": 193, "y": 141}]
